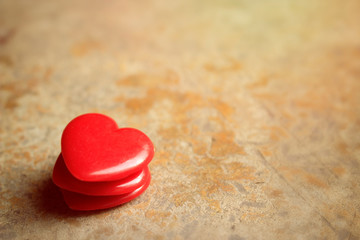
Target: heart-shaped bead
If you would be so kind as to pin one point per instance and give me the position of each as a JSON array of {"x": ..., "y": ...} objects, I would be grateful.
[
  {"x": 95, "y": 149},
  {"x": 64, "y": 180},
  {"x": 77, "y": 201}
]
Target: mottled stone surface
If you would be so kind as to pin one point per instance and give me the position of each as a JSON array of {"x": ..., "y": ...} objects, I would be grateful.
[{"x": 253, "y": 107}]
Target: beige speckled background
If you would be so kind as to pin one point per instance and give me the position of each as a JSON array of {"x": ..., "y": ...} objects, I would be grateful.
[{"x": 253, "y": 106}]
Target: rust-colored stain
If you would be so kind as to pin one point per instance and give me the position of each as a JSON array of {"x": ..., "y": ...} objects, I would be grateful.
[
  {"x": 265, "y": 151},
  {"x": 313, "y": 180},
  {"x": 199, "y": 146},
  {"x": 182, "y": 159},
  {"x": 339, "y": 171},
  {"x": 225, "y": 109},
  {"x": 342, "y": 147},
  {"x": 6, "y": 61},
  {"x": 262, "y": 82},
  {"x": 182, "y": 198},
  {"x": 162, "y": 157},
  {"x": 276, "y": 193},
  {"x": 149, "y": 80},
  {"x": 6, "y": 37},
  {"x": 223, "y": 144},
  {"x": 209, "y": 178},
  {"x": 294, "y": 173},
  {"x": 159, "y": 217},
  {"x": 83, "y": 48},
  {"x": 251, "y": 216},
  {"x": 276, "y": 132},
  {"x": 16, "y": 91}
]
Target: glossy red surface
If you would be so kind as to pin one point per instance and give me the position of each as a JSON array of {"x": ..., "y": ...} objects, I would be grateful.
[
  {"x": 82, "y": 202},
  {"x": 63, "y": 179},
  {"x": 95, "y": 149}
]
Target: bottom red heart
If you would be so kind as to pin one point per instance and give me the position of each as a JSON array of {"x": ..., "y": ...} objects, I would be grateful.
[
  {"x": 77, "y": 201},
  {"x": 81, "y": 195}
]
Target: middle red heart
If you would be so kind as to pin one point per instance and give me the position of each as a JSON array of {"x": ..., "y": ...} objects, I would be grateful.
[
  {"x": 64, "y": 180},
  {"x": 95, "y": 149}
]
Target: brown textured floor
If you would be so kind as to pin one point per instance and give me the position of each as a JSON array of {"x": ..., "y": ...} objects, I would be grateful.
[{"x": 253, "y": 106}]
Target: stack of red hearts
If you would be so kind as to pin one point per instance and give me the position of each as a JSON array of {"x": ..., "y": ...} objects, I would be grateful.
[{"x": 101, "y": 165}]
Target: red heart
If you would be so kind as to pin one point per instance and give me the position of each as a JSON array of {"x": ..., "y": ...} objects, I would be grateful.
[
  {"x": 64, "y": 180},
  {"x": 95, "y": 149}
]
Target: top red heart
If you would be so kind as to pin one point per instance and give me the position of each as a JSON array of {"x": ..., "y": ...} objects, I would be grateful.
[{"x": 95, "y": 149}]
